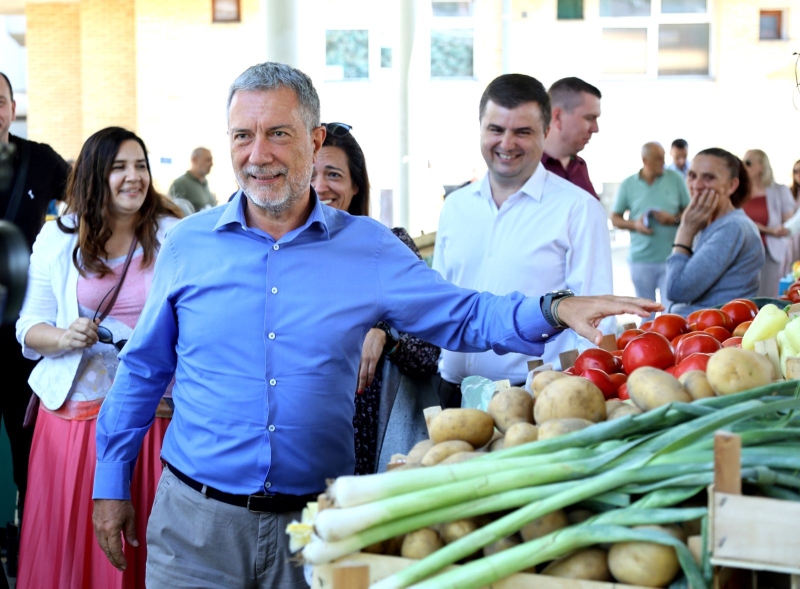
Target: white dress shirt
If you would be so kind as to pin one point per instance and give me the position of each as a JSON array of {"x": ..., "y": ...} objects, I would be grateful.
[{"x": 548, "y": 236}]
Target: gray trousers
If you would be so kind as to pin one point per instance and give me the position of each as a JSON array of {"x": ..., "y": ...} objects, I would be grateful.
[{"x": 193, "y": 541}]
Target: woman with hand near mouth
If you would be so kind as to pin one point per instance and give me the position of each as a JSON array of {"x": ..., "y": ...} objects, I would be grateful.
[
  {"x": 340, "y": 180},
  {"x": 88, "y": 280}
]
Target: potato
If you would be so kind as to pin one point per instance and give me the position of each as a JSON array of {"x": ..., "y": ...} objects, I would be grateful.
[
  {"x": 696, "y": 384},
  {"x": 456, "y": 530},
  {"x": 579, "y": 515},
  {"x": 444, "y": 450},
  {"x": 590, "y": 564},
  {"x": 497, "y": 444},
  {"x": 542, "y": 526},
  {"x": 473, "y": 426},
  {"x": 420, "y": 544},
  {"x": 459, "y": 457},
  {"x": 520, "y": 433},
  {"x": 612, "y": 404},
  {"x": 645, "y": 563},
  {"x": 558, "y": 427},
  {"x": 418, "y": 451},
  {"x": 500, "y": 545},
  {"x": 650, "y": 387},
  {"x": 510, "y": 406},
  {"x": 377, "y": 548},
  {"x": 731, "y": 370},
  {"x": 544, "y": 378},
  {"x": 570, "y": 397},
  {"x": 623, "y": 410}
]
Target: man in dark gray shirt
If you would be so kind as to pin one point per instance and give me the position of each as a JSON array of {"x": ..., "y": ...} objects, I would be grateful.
[{"x": 193, "y": 186}]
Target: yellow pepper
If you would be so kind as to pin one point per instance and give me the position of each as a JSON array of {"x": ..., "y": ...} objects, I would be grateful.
[
  {"x": 767, "y": 324},
  {"x": 787, "y": 348},
  {"x": 792, "y": 330}
]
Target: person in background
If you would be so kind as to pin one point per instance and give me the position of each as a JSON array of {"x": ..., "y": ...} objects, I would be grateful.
[
  {"x": 679, "y": 152},
  {"x": 717, "y": 255},
  {"x": 575, "y": 107},
  {"x": 795, "y": 188},
  {"x": 340, "y": 179},
  {"x": 89, "y": 276},
  {"x": 193, "y": 185},
  {"x": 769, "y": 205},
  {"x": 654, "y": 199}
]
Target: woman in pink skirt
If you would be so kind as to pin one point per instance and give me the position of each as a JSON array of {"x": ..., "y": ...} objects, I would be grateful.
[{"x": 89, "y": 277}]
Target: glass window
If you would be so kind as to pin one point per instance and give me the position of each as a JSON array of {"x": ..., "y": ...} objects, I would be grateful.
[
  {"x": 624, "y": 7},
  {"x": 225, "y": 10},
  {"x": 570, "y": 9},
  {"x": 624, "y": 51},
  {"x": 683, "y": 50},
  {"x": 451, "y": 53},
  {"x": 683, "y": 6},
  {"x": 386, "y": 57},
  {"x": 451, "y": 8},
  {"x": 347, "y": 54},
  {"x": 770, "y": 25}
]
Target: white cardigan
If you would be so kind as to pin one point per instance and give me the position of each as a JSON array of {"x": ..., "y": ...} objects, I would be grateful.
[{"x": 52, "y": 298}]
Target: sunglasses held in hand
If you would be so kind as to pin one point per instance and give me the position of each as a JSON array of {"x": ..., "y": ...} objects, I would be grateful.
[{"x": 104, "y": 334}]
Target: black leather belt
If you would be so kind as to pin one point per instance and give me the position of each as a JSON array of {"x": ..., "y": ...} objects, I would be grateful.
[{"x": 261, "y": 503}]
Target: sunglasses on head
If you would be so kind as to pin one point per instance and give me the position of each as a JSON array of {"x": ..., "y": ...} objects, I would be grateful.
[
  {"x": 338, "y": 129},
  {"x": 748, "y": 163},
  {"x": 104, "y": 334}
]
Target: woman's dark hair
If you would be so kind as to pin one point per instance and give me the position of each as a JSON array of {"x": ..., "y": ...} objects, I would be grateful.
[
  {"x": 358, "y": 171},
  {"x": 795, "y": 184},
  {"x": 736, "y": 170},
  {"x": 88, "y": 197}
]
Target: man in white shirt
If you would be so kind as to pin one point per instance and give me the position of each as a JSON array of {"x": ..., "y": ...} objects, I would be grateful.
[{"x": 521, "y": 228}]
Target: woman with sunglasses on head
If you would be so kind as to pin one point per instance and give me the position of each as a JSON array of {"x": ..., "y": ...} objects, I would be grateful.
[
  {"x": 340, "y": 180},
  {"x": 717, "y": 255},
  {"x": 88, "y": 280},
  {"x": 769, "y": 205}
]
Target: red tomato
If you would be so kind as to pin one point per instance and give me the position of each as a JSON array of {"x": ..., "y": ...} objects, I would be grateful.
[
  {"x": 617, "y": 354},
  {"x": 693, "y": 362},
  {"x": 732, "y": 342},
  {"x": 692, "y": 318},
  {"x": 627, "y": 336},
  {"x": 738, "y": 311},
  {"x": 693, "y": 327},
  {"x": 650, "y": 349},
  {"x": 699, "y": 342},
  {"x": 720, "y": 333},
  {"x": 595, "y": 358},
  {"x": 741, "y": 329},
  {"x": 671, "y": 370},
  {"x": 747, "y": 302},
  {"x": 675, "y": 341},
  {"x": 646, "y": 326},
  {"x": 618, "y": 379},
  {"x": 669, "y": 325},
  {"x": 793, "y": 295},
  {"x": 622, "y": 392},
  {"x": 602, "y": 381},
  {"x": 711, "y": 318}
]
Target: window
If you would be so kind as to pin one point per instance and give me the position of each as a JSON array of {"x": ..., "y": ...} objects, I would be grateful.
[
  {"x": 770, "y": 25},
  {"x": 452, "y": 40},
  {"x": 225, "y": 11},
  {"x": 347, "y": 54},
  {"x": 570, "y": 10},
  {"x": 386, "y": 57},
  {"x": 655, "y": 38}
]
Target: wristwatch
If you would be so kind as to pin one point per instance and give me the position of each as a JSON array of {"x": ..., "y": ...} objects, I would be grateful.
[
  {"x": 392, "y": 337},
  {"x": 549, "y": 304}
]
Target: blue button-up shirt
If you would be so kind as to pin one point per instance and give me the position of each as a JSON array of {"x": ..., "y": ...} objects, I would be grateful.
[{"x": 264, "y": 339}]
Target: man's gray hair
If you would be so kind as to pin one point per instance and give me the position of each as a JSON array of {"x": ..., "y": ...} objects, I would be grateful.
[{"x": 271, "y": 76}]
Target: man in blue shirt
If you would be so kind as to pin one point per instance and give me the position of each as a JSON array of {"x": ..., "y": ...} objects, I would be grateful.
[
  {"x": 679, "y": 151},
  {"x": 259, "y": 308}
]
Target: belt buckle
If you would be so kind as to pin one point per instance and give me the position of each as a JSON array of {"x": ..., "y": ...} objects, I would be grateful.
[{"x": 260, "y": 503}]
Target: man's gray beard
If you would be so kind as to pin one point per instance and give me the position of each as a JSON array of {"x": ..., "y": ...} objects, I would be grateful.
[{"x": 272, "y": 206}]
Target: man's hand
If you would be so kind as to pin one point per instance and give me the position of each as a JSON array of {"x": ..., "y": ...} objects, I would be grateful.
[
  {"x": 111, "y": 517},
  {"x": 370, "y": 354},
  {"x": 639, "y": 226},
  {"x": 583, "y": 314}
]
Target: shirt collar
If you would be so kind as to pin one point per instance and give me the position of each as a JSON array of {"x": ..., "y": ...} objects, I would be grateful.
[{"x": 533, "y": 187}]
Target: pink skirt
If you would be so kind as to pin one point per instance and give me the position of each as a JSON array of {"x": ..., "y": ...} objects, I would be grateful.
[{"x": 57, "y": 545}]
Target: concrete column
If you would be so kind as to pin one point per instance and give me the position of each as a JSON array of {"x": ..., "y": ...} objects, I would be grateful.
[
  {"x": 282, "y": 31},
  {"x": 408, "y": 15}
]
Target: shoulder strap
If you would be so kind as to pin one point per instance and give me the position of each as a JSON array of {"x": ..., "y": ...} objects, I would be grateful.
[
  {"x": 19, "y": 182},
  {"x": 118, "y": 287}
]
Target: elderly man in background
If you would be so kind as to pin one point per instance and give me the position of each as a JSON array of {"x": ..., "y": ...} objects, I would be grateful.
[{"x": 193, "y": 185}]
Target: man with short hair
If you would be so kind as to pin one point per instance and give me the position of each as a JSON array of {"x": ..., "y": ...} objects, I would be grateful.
[
  {"x": 654, "y": 199},
  {"x": 39, "y": 176},
  {"x": 259, "y": 308},
  {"x": 679, "y": 152},
  {"x": 193, "y": 186},
  {"x": 522, "y": 228},
  {"x": 576, "y": 108}
]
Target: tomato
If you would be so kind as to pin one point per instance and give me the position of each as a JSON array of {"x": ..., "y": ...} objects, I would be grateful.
[
  {"x": 700, "y": 342},
  {"x": 738, "y": 311},
  {"x": 693, "y": 362},
  {"x": 650, "y": 349},
  {"x": 747, "y": 302},
  {"x": 693, "y": 327},
  {"x": 720, "y": 333},
  {"x": 622, "y": 392},
  {"x": 692, "y": 317},
  {"x": 669, "y": 325},
  {"x": 732, "y": 342},
  {"x": 711, "y": 318},
  {"x": 646, "y": 326},
  {"x": 670, "y": 370},
  {"x": 618, "y": 379},
  {"x": 617, "y": 354},
  {"x": 676, "y": 340},
  {"x": 793, "y": 295},
  {"x": 602, "y": 381},
  {"x": 595, "y": 358},
  {"x": 741, "y": 328},
  {"x": 627, "y": 336}
]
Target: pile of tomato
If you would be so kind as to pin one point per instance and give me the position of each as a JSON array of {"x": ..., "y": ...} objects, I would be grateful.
[
  {"x": 792, "y": 293},
  {"x": 671, "y": 342}
]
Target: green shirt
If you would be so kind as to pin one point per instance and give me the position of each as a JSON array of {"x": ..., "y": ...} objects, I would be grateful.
[
  {"x": 668, "y": 193},
  {"x": 194, "y": 190}
]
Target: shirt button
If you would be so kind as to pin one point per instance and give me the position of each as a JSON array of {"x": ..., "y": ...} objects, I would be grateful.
[
  {"x": 276, "y": 247},
  {"x": 273, "y": 382},
  {"x": 267, "y": 485},
  {"x": 271, "y": 336},
  {"x": 271, "y": 428},
  {"x": 274, "y": 290},
  {"x": 545, "y": 336}
]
